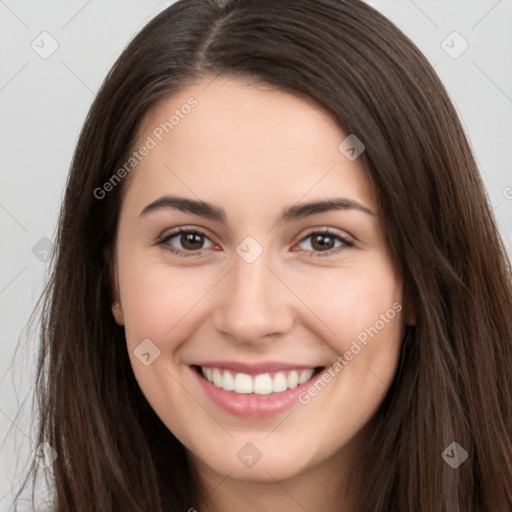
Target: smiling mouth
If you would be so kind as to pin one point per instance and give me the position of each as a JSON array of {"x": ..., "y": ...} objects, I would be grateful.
[{"x": 260, "y": 384}]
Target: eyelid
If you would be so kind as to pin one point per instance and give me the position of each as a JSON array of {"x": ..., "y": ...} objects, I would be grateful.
[
  {"x": 331, "y": 231},
  {"x": 187, "y": 228}
]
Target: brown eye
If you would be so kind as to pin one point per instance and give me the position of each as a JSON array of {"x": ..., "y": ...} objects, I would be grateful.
[
  {"x": 325, "y": 242},
  {"x": 186, "y": 242},
  {"x": 191, "y": 241},
  {"x": 322, "y": 242}
]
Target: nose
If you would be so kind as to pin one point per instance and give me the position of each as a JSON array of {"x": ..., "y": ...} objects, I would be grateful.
[{"x": 253, "y": 304}]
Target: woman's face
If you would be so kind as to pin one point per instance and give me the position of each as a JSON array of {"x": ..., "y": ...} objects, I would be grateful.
[{"x": 230, "y": 262}]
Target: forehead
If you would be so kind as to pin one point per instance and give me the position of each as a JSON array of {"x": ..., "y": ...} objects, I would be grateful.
[{"x": 245, "y": 138}]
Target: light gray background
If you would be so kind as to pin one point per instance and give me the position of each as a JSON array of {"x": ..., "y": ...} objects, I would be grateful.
[{"x": 43, "y": 103}]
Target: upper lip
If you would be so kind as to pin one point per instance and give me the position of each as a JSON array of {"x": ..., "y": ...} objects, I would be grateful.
[{"x": 255, "y": 368}]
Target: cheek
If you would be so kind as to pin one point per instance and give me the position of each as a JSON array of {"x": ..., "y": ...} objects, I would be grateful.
[
  {"x": 158, "y": 305},
  {"x": 349, "y": 300},
  {"x": 362, "y": 316},
  {"x": 156, "y": 297}
]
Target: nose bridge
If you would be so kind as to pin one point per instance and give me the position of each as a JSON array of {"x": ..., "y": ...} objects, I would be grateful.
[
  {"x": 253, "y": 303},
  {"x": 250, "y": 282}
]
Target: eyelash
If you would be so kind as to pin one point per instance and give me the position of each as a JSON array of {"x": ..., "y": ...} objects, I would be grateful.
[{"x": 345, "y": 242}]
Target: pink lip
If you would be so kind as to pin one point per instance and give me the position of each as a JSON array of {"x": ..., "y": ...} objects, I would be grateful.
[
  {"x": 254, "y": 368},
  {"x": 252, "y": 406}
]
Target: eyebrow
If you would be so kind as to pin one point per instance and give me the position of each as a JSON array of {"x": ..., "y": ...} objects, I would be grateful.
[{"x": 208, "y": 211}]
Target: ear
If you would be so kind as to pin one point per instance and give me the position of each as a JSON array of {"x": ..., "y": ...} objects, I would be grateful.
[
  {"x": 118, "y": 314},
  {"x": 117, "y": 310}
]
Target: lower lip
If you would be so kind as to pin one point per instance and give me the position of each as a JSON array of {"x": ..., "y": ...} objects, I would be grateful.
[{"x": 253, "y": 406}]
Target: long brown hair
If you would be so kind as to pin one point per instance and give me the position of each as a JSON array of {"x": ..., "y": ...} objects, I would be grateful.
[{"x": 454, "y": 382}]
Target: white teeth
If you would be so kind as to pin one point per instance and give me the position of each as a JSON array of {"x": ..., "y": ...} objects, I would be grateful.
[
  {"x": 228, "y": 381},
  {"x": 305, "y": 375},
  {"x": 217, "y": 377},
  {"x": 293, "y": 379},
  {"x": 279, "y": 382},
  {"x": 262, "y": 384},
  {"x": 243, "y": 383}
]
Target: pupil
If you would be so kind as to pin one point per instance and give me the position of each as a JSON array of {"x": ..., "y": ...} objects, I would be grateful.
[{"x": 191, "y": 240}]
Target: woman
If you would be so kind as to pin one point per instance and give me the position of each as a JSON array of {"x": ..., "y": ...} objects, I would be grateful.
[{"x": 278, "y": 284}]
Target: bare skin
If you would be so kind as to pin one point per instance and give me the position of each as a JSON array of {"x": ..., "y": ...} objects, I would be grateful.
[{"x": 254, "y": 151}]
